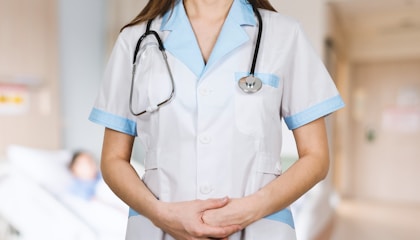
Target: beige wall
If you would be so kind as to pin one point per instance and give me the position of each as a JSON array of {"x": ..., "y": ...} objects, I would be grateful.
[
  {"x": 311, "y": 14},
  {"x": 120, "y": 12},
  {"x": 385, "y": 123},
  {"x": 339, "y": 65},
  {"x": 29, "y": 49},
  {"x": 372, "y": 69}
]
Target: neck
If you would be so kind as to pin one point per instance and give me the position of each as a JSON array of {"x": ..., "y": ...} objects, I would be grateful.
[{"x": 209, "y": 9}]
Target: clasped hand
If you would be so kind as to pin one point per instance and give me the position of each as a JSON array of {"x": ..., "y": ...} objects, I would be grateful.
[{"x": 203, "y": 219}]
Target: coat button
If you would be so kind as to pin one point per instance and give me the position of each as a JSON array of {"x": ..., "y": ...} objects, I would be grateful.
[
  {"x": 205, "y": 91},
  {"x": 206, "y": 189},
  {"x": 205, "y": 139}
]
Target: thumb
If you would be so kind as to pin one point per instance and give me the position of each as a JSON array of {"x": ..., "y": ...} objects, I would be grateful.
[{"x": 215, "y": 203}]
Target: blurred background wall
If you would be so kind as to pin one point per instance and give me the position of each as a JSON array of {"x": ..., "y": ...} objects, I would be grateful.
[
  {"x": 82, "y": 58},
  {"x": 53, "y": 52},
  {"x": 374, "y": 55},
  {"x": 29, "y": 74}
]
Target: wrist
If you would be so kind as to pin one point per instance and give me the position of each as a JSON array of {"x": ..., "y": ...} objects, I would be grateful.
[
  {"x": 158, "y": 212},
  {"x": 259, "y": 207},
  {"x": 250, "y": 210}
]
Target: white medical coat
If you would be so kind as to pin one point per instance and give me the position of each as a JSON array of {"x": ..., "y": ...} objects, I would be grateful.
[{"x": 213, "y": 140}]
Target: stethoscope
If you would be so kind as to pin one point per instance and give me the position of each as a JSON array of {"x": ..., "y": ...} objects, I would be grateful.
[{"x": 248, "y": 84}]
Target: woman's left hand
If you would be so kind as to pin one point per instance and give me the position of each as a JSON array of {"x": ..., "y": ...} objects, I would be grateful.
[{"x": 239, "y": 211}]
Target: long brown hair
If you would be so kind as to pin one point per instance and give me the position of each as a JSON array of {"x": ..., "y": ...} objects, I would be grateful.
[{"x": 155, "y": 8}]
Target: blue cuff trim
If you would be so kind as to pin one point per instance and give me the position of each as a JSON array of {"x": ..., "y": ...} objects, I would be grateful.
[
  {"x": 112, "y": 121},
  {"x": 284, "y": 216},
  {"x": 132, "y": 213},
  {"x": 266, "y": 78},
  {"x": 319, "y": 110}
]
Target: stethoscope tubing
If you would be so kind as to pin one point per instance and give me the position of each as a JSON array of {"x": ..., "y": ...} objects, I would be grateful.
[
  {"x": 134, "y": 67},
  {"x": 257, "y": 44},
  {"x": 163, "y": 51}
]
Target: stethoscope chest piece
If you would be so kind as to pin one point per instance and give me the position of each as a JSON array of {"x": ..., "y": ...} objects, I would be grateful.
[{"x": 250, "y": 84}]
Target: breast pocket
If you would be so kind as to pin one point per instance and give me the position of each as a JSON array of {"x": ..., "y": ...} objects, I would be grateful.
[{"x": 254, "y": 112}]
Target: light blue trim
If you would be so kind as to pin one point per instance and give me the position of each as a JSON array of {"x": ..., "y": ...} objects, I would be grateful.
[
  {"x": 284, "y": 216},
  {"x": 112, "y": 121},
  {"x": 182, "y": 43},
  {"x": 132, "y": 213},
  {"x": 266, "y": 78},
  {"x": 319, "y": 110}
]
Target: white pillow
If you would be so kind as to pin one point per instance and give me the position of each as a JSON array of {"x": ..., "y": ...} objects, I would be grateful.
[{"x": 46, "y": 167}]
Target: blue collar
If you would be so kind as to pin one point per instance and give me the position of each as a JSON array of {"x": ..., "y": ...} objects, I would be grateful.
[{"x": 181, "y": 41}]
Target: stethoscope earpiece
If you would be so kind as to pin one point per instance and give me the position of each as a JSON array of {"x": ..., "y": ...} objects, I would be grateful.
[{"x": 250, "y": 84}]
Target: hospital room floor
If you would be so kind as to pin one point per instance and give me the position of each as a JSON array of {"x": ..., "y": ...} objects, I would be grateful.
[{"x": 375, "y": 220}]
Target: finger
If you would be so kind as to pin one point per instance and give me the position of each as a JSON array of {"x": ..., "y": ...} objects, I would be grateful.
[
  {"x": 215, "y": 203},
  {"x": 222, "y": 232},
  {"x": 231, "y": 229}
]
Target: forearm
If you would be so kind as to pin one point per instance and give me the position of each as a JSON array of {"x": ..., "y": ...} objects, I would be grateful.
[
  {"x": 287, "y": 188},
  {"x": 312, "y": 167},
  {"x": 124, "y": 181},
  {"x": 121, "y": 177}
]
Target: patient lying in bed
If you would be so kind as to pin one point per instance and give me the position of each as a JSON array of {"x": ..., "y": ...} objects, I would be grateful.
[{"x": 86, "y": 175}]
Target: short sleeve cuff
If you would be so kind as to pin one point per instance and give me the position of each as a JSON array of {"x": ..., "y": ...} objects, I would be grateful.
[
  {"x": 319, "y": 110},
  {"x": 114, "y": 122}
]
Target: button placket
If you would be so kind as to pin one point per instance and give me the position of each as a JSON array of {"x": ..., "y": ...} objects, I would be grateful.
[{"x": 205, "y": 104}]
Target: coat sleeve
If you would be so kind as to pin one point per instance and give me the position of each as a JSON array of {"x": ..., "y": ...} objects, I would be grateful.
[
  {"x": 111, "y": 108},
  {"x": 309, "y": 92}
]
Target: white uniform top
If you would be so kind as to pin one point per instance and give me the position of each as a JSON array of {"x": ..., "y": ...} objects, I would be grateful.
[{"x": 213, "y": 140}]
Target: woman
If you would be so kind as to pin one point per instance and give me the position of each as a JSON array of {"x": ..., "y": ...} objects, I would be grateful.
[{"x": 212, "y": 151}]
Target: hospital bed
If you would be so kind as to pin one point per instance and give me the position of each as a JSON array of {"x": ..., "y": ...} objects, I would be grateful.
[{"x": 35, "y": 203}]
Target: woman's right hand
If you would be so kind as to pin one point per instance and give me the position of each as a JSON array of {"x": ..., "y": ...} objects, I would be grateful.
[{"x": 183, "y": 220}]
